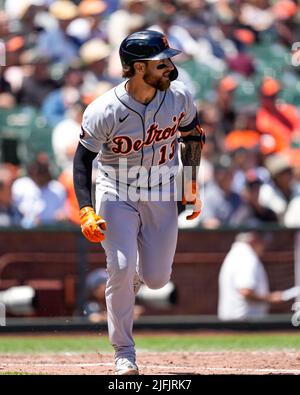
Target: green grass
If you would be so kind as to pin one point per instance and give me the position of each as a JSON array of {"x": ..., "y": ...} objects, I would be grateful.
[
  {"x": 199, "y": 342},
  {"x": 18, "y": 374}
]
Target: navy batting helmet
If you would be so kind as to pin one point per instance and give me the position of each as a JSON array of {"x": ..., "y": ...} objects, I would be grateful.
[{"x": 146, "y": 45}]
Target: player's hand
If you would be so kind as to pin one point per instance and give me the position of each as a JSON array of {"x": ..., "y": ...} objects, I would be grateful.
[
  {"x": 92, "y": 224},
  {"x": 192, "y": 199}
]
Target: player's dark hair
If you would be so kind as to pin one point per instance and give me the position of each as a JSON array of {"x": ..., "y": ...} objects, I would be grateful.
[{"x": 128, "y": 70}]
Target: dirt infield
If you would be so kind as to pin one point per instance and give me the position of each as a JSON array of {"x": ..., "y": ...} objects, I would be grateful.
[{"x": 204, "y": 363}]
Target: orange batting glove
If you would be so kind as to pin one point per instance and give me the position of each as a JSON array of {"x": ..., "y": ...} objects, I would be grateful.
[
  {"x": 91, "y": 223},
  {"x": 191, "y": 198}
]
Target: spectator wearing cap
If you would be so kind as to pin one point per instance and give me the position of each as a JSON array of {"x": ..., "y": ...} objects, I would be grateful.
[
  {"x": 242, "y": 62},
  {"x": 284, "y": 9},
  {"x": 209, "y": 116},
  {"x": 284, "y": 12},
  {"x": 9, "y": 214},
  {"x": 14, "y": 47},
  {"x": 95, "y": 285},
  {"x": 7, "y": 99},
  {"x": 94, "y": 55},
  {"x": 195, "y": 16},
  {"x": 244, "y": 145},
  {"x": 282, "y": 188},
  {"x": 4, "y": 24},
  {"x": 92, "y": 12},
  {"x": 28, "y": 11},
  {"x": 225, "y": 103},
  {"x": 220, "y": 201},
  {"x": 59, "y": 101},
  {"x": 119, "y": 24},
  {"x": 89, "y": 23},
  {"x": 200, "y": 35},
  {"x": 18, "y": 11},
  {"x": 12, "y": 73},
  {"x": 37, "y": 84},
  {"x": 56, "y": 43},
  {"x": 39, "y": 198},
  {"x": 95, "y": 306},
  {"x": 251, "y": 212},
  {"x": 279, "y": 119},
  {"x": 257, "y": 14}
]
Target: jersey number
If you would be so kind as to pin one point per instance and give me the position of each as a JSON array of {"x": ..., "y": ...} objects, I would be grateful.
[{"x": 163, "y": 153}]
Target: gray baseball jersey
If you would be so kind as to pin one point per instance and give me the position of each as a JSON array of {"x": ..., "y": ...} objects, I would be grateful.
[{"x": 117, "y": 126}]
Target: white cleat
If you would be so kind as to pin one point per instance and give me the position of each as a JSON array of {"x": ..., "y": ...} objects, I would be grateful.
[{"x": 125, "y": 366}]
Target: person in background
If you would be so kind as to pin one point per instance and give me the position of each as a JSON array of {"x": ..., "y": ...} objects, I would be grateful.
[
  {"x": 37, "y": 84},
  {"x": 39, "y": 198},
  {"x": 119, "y": 22},
  {"x": 94, "y": 56},
  {"x": 251, "y": 212},
  {"x": 64, "y": 144},
  {"x": 281, "y": 120},
  {"x": 243, "y": 282},
  {"x": 95, "y": 306},
  {"x": 58, "y": 102},
  {"x": 7, "y": 99},
  {"x": 225, "y": 103},
  {"x": 92, "y": 12},
  {"x": 9, "y": 214},
  {"x": 56, "y": 42},
  {"x": 279, "y": 192},
  {"x": 220, "y": 201}
]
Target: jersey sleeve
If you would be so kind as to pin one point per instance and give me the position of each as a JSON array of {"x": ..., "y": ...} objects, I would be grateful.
[
  {"x": 188, "y": 122},
  {"x": 94, "y": 127}
]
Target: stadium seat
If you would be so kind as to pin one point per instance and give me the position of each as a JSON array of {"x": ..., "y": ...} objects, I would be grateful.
[{"x": 23, "y": 133}]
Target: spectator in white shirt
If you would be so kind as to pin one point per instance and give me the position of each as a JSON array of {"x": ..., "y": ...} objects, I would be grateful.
[
  {"x": 282, "y": 188},
  {"x": 243, "y": 282},
  {"x": 39, "y": 198}
]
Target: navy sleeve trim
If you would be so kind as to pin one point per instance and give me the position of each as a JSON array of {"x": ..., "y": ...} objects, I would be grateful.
[{"x": 191, "y": 126}]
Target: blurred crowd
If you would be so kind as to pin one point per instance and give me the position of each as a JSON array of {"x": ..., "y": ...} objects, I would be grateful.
[{"x": 240, "y": 59}]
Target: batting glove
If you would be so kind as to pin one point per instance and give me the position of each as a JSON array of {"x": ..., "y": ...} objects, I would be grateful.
[
  {"x": 91, "y": 223},
  {"x": 191, "y": 198}
]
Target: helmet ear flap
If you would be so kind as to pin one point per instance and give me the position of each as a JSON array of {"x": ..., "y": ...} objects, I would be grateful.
[{"x": 174, "y": 73}]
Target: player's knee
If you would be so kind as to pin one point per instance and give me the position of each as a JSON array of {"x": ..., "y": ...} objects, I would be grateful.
[
  {"x": 156, "y": 281},
  {"x": 119, "y": 274},
  {"x": 120, "y": 264}
]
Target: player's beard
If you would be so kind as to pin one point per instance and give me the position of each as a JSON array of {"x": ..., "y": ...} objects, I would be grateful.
[{"x": 161, "y": 83}]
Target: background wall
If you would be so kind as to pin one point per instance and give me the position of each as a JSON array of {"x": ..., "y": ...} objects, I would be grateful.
[{"x": 55, "y": 263}]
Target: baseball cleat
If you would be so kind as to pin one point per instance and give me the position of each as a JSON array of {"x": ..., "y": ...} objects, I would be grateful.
[{"x": 125, "y": 366}]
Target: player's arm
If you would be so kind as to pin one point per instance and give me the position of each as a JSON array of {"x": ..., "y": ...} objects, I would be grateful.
[
  {"x": 272, "y": 297},
  {"x": 192, "y": 144},
  {"x": 91, "y": 223}
]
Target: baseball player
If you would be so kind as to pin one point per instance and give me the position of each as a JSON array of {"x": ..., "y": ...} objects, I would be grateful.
[{"x": 133, "y": 130}]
